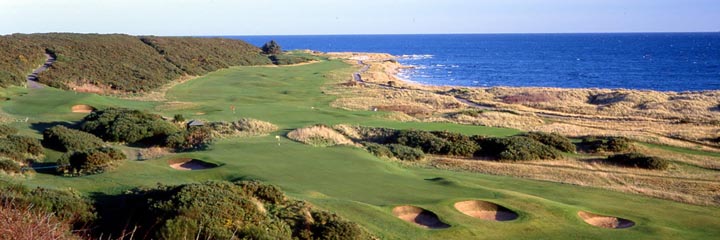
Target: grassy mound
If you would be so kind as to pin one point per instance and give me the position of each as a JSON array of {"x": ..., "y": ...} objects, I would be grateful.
[{"x": 319, "y": 135}]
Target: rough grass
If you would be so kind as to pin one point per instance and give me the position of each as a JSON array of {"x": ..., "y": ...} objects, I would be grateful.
[
  {"x": 244, "y": 127},
  {"x": 25, "y": 223},
  {"x": 319, "y": 136}
]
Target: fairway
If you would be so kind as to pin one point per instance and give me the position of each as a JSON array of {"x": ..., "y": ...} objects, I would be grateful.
[{"x": 348, "y": 180}]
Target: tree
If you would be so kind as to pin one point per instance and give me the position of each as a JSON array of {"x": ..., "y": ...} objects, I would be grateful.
[{"x": 271, "y": 48}]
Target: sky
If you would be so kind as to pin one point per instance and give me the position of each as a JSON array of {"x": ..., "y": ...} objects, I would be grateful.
[{"x": 311, "y": 17}]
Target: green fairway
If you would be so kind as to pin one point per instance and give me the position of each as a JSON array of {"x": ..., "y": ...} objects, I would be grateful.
[{"x": 348, "y": 180}]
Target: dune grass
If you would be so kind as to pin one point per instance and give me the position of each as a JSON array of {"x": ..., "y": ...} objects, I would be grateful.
[{"x": 348, "y": 180}]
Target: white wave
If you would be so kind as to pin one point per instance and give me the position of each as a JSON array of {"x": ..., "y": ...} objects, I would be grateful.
[{"x": 415, "y": 57}]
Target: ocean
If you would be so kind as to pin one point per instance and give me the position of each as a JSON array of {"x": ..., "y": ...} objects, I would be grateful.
[{"x": 650, "y": 61}]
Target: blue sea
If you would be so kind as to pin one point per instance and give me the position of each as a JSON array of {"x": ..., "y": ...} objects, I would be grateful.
[{"x": 656, "y": 61}]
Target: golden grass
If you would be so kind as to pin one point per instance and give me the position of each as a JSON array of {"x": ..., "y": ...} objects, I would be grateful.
[
  {"x": 319, "y": 135},
  {"x": 244, "y": 127},
  {"x": 23, "y": 222}
]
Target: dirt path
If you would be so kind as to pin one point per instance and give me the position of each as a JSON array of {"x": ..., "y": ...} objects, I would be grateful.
[{"x": 32, "y": 79}]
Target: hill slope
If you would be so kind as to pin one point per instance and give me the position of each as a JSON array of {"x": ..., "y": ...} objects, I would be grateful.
[{"x": 118, "y": 62}]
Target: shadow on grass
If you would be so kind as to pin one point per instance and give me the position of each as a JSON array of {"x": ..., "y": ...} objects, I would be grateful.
[
  {"x": 39, "y": 127},
  {"x": 44, "y": 168}
]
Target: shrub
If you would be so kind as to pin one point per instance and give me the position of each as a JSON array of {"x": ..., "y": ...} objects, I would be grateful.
[
  {"x": 65, "y": 139},
  {"x": 609, "y": 144},
  {"x": 517, "y": 148},
  {"x": 225, "y": 210},
  {"x": 640, "y": 161},
  {"x": 89, "y": 161},
  {"x": 428, "y": 142},
  {"x": 68, "y": 206},
  {"x": 195, "y": 138},
  {"x": 6, "y": 130},
  {"x": 378, "y": 149},
  {"x": 9, "y": 166},
  {"x": 271, "y": 47},
  {"x": 406, "y": 153},
  {"x": 130, "y": 126},
  {"x": 552, "y": 139},
  {"x": 458, "y": 144},
  {"x": 20, "y": 148},
  {"x": 24, "y": 222}
]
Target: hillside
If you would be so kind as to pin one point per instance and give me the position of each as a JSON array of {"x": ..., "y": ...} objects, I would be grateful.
[{"x": 115, "y": 62}]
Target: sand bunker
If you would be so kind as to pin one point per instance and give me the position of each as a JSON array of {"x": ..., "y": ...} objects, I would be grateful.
[
  {"x": 485, "y": 210},
  {"x": 419, "y": 216},
  {"x": 82, "y": 108},
  {"x": 605, "y": 221},
  {"x": 190, "y": 164}
]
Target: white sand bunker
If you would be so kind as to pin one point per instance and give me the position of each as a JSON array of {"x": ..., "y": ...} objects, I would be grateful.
[
  {"x": 190, "y": 164},
  {"x": 419, "y": 216},
  {"x": 605, "y": 221},
  {"x": 485, "y": 210},
  {"x": 82, "y": 108}
]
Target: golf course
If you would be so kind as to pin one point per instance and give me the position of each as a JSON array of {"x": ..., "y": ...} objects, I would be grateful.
[{"x": 346, "y": 180}]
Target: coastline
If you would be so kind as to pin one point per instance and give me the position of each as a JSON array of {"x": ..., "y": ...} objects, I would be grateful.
[{"x": 685, "y": 119}]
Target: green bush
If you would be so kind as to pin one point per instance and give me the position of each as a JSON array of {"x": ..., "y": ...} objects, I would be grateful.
[
  {"x": 555, "y": 140},
  {"x": 517, "y": 148},
  {"x": 89, "y": 161},
  {"x": 406, "y": 153},
  {"x": 67, "y": 205},
  {"x": 65, "y": 139},
  {"x": 378, "y": 149},
  {"x": 195, "y": 138},
  {"x": 608, "y": 144},
  {"x": 130, "y": 126},
  {"x": 640, "y": 161},
  {"x": 226, "y": 210},
  {"x": 6, "y": 130},
  {"x": 428, "y": 142},
  {"x": 271, "y": 47},
  {"x": 458, "y": 144},
  {"x": 10, "y": 166},
  {"x": 20, "y": 148}
]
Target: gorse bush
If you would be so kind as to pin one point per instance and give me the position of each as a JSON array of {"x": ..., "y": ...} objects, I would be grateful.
[
  {"x": 89, "y": 161},
  {"x": 406, "y": 153},
  {"x": 552, "y": 139},
  {"x": 65, "y": 139},
  {"x": 428, "y": 142},
  {"x": 68, "y": 206},
  {"x": 130, "y": 126},
  {"x": 9, "y": 166},
  {"x": 6, "y": 130},
  {"x": 640, "y": 161},
  {"x": 517, "y": 148},
  {"x": 194, "y": 138},
  {"x": 227, "y": 210},
  {"x": 271, "y": 47},
  {"x": 378, "y": 149},
  {"x": 458, "y": 144},
  {"x": 606, "y": 144},
  {"x": 20, "y": 148}
]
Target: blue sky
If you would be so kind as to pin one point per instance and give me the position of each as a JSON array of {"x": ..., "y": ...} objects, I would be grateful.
[{"x": 293, "y": 17}]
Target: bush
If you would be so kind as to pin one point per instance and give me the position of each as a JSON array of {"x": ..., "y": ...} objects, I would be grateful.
[
  {"x": 130, "y": 126},
  {"x": 271, "y": 47},
  {"x": 428, "y": 142},
  {"x": 517, "y": 148},
  {"x": 195, "y": 138},
  {"x": 6, "y": 130},
  {"x": 65, "y": 139},
  {"x": 378, "y": 149},
  {"x": 552, "y": 139},
  {"x": 226, "y": 210},
  {"x": 68, "y": 206},
  {"x": 640, "y": 161},
  {"x": 89, "y": 161},
  {"x": 458, "y": 144},
  {"x": 406, "y": 153},
  {"x": 20, "y": 148},
  {"x": 9, "y": 166},
  {"x": 609, "y": 144}
]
